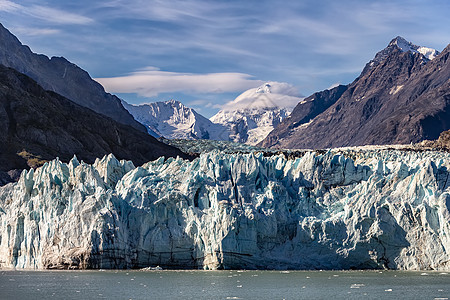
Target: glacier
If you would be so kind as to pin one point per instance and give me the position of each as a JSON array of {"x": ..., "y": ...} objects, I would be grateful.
[{"x": 335, "y": 209}]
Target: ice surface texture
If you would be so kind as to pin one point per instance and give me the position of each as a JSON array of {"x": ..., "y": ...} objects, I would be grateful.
[{"x": 340, "y": 209}]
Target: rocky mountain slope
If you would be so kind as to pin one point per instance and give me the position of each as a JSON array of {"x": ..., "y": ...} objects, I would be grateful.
[
  {"x": 63, "y": 77},
  {"x": 173, "y": 120},
  {"x": 341, "y": 209},
  {"x": 305, "y": 111},
  {"x": 402, "y": 96},
  {"x": 39, "y": 125},
  {"x": 256, "y": 112}
]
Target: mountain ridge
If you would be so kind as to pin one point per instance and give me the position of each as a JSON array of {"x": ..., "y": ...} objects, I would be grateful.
[
  {"x": 63, "y": 77},
  {"x": 401, "y": 98},
  {"x": 247, "y": 119},
  {"x": 172, "y": 119}
]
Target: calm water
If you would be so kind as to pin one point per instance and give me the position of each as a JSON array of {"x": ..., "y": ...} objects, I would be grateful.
[{"x": 223, "y": 285}]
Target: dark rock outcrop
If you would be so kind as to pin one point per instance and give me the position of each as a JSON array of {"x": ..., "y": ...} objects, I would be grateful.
[
  {"x": 38, "y": 125},
  {"x": 63, "y": 77},
  {"x": 443, "y": 142},
  {"x": 401, "y": 97}
]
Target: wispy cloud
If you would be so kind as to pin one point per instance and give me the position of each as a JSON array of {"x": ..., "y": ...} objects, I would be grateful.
[
  {"x": 29, "y": 31},
  {"x": 188, "y": 25},
  {"x": 9, "y": 6},
  {"x": 45, "y": 13},
  {"x": 152, "y": 82},
  {"x": 57, "y": 16},
  {"x": 175, "y": 11}
]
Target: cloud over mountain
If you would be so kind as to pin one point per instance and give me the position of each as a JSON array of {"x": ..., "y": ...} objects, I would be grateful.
[
  {"x": 151, "y": 81},
  {"x": 270, "y": 95}
]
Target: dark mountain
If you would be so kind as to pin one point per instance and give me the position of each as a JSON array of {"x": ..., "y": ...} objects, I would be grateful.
[
  {"x": 304, "y": 112},
  {"x": 38, "y": 125},
  {"x": 400, "y": 97},
  {"x": 63, "y": 77}
]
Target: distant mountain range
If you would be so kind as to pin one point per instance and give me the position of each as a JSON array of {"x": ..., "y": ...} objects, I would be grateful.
[
  {"x": 248, "y": 119},
  {"x": 256, "y": 112},
  {"x": 402, "y": 96}
]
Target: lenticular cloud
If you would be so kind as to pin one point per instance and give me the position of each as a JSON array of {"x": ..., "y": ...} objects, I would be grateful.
[
  {"x": 269, "y": 95},
  {"x": 150, "y": 82}
]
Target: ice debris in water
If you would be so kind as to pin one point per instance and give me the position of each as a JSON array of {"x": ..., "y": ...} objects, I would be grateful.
[{"x": 337, "y": 209}]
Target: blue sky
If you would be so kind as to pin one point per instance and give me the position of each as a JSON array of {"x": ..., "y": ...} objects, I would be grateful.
[{"x": 205, "y": 53}]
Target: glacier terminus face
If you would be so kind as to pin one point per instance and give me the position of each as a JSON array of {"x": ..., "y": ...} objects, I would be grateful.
[{"x": 335, "y": 209}]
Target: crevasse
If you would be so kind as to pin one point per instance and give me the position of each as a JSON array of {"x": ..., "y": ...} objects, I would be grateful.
[{"x": 342, "y": 209}]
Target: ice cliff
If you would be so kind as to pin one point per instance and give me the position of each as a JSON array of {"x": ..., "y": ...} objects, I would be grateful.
[{"x": 340, "y": 209}]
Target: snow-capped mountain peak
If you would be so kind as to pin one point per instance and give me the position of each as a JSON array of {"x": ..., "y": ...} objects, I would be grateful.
[
  {"x": 257, "y": 111},
  {"x": 267, "y": 96},
  {"x": 403, "y": 44},
  {"x": 399, "y": 43},
  {"x": 172, "y": 119},
  {"x": 406, "y": 46}
]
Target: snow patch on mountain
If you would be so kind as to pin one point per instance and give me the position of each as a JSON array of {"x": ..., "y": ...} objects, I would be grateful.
[
  {"x": 173, "y": 120},
  {"x": 406, "y": 46},
  {"x": 256, "y": 112}
]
